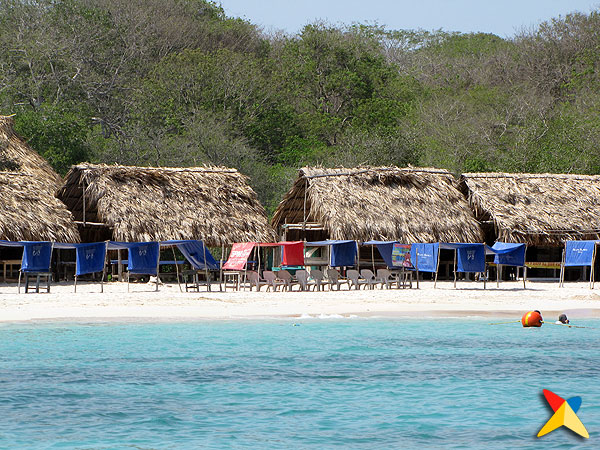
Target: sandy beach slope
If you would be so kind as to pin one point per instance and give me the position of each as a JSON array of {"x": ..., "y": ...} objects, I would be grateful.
[{"x": 469, "y": 299}]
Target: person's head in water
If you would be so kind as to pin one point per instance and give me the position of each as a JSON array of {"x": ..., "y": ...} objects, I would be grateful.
[{"x": 563, "y": 319}]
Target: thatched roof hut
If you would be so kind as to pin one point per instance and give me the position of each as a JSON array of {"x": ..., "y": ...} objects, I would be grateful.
[
  {"x": 536, "y": 209},
  {"x": 386, "y": 203},
  {"x": 213, "y": 204},
  {"x": 29, "y": 212},
  {"x": 17, "y": 156}
]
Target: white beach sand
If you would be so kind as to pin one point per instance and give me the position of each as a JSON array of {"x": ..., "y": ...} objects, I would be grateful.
[{"x": 469, "y": 299}]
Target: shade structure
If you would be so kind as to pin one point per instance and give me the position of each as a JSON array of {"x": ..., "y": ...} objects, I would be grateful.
[
  {"x": 535, "y": 209},
  {"x": 343, "y": 252},
  {"x": 384, "y": 203},
  {"x": 137, "y": 204}
]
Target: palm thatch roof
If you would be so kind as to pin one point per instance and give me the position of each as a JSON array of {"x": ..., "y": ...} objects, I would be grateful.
[
  {"x": 537, "y": 209},
  {"x": 213, "y": 204},
  {"x": 386, "y": 203},
  {"x": 17, "y": 156},
  {"x": 29, "y": 212}
]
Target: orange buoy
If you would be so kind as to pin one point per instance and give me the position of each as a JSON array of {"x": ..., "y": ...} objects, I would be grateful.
[{"x": 532, "y": 319}]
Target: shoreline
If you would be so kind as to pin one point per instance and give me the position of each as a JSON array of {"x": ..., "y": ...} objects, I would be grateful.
[{"x": 169, "y": 304}]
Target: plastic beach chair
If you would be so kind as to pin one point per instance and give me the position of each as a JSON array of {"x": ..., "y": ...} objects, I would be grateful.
[
  {"x": 369, "y": 277},
  {"x": 317, "y": 275},
  {"x": 272, "y": 281},
  {"x": 385, "y": 277},
  {"x": 286, "y": 277},
  {"x": 304, "y": 281},
  {"x": 255, "y": 280},
  {"x": 335, "y": 279},
  {"x": 355, "y": 279}
]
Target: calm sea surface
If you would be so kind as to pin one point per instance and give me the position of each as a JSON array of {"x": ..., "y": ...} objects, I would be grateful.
[{"x": 308, "y": 384}]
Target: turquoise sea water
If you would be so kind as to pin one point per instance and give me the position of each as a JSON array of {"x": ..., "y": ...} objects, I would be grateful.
[{"x": 353, "y": 383}]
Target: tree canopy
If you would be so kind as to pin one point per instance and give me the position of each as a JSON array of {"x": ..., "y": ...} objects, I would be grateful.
[{"x": 177, "y": 82}]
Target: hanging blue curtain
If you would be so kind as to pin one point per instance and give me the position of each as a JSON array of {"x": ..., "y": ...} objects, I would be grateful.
[
  {"x": 425, "y": 257},
  {"x": 579, "y": 253},
  {"x": 509, "y": 254},
  {"x": 36, "y": 256},
  {"x": 90, "y": 258}
]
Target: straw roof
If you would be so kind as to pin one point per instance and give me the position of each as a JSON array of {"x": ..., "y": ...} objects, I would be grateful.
[
  {"x": 213, "y": 204},
  {"x": 537, "y": 209},
  {"x": 386, "y": 203},
  {"x": 17, "y": 156},
  {"x": 29, "y": 212}
]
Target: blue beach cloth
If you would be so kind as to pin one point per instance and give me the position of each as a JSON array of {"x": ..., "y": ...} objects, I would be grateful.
[
  {"x": 509, "y": 254},
  {"x": 579, "y": 253},
  {"x": 36, "y": 256},
  {"x": 385, "y": 250},
  {"x": 343, "y": 253},
  {"x": 195, "y": 251},
  {"x": 143, "y": 258},
  {"x": 90, "y": 258},
  {"x": 425, "y": 257},
  {"x": 471, "y": 258}
]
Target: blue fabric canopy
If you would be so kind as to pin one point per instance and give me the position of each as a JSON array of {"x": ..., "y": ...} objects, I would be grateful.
[
  {"x": 90, "y": 258},
  {"x": 343, "y": 253},
  {"x": 579, "y": 253},
  {"x": 385, "y": 250},
  {"x": 142, "y": 256},
  {"x": 195, "y": 251},
  {"x": 36, "y": 256},
  {"x": 425, "y": 257},
  {"x": 509, "y": 254},
  {"x": 470, "y": 257}
]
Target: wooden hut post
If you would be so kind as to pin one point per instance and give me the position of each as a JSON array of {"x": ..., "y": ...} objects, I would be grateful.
[
  {"x": 176, "y": 269},
  {"x": 157, "y": 268},
  {"x": 417, "y": 266},
  {"x": 561, "y": 282},
  {"x": 120, "y": 266},
  {"x": 524, "y": 269},
  {"x": 373, "y": 256},
  {"x": 592, "y": 279},
  {"x": 498, "y": 274},
  {"x": 437, "y": 269},
  {"x": 455, "y": 257},
  {"x": 206, "y": 268}
]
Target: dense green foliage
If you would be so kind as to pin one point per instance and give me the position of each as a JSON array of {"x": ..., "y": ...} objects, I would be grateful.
[{"x": 177, "y": 82}]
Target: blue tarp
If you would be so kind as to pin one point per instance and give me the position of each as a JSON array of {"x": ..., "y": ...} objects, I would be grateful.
[
  {"x": 142, "y": 256},
  {"x": 90, "y": 258},
  {"x": 509, "y": 254},
  {"x": 470, "y": 257},
  {"x": 36, "y": 256},
  {"x": 579, "y": 253},
  {"x": 195, "y": 251},
  {"x": 343, "y": 253},
  {"x": 424, "y": 257},
  {"x": 385, "y": 250}
]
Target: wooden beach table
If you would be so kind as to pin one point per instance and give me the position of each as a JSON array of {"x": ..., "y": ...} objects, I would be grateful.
[{"x": 11, "y": 263}]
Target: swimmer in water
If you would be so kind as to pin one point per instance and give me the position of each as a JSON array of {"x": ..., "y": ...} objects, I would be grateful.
[{"x": 562, "y": 320}]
